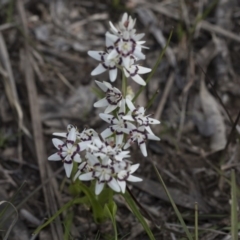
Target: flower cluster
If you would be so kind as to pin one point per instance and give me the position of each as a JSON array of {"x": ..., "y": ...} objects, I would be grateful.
[
  {"x": 123, "y": 50},
  {"x": 105, "y": 158}
]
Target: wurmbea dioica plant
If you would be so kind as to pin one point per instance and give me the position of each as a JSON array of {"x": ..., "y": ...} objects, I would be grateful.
[{"x": 105, "y": 158}]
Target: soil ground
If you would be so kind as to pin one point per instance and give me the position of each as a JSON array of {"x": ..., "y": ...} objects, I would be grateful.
[{"x": 45, "y": 84}]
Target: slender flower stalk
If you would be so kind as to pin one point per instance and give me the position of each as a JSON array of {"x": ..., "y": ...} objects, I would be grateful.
[{"x": 105, "y": 158}]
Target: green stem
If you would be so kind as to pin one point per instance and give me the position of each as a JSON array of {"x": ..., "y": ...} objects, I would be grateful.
[
  {"x": 150, "y": 102},
  {"x": 180, "y": 218},
  {"x": 154, "y": 68},
  {"x": 124, "y": 84}
]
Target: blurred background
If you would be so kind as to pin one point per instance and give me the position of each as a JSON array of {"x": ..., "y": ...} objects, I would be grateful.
[{"x": 45, "y": 84}]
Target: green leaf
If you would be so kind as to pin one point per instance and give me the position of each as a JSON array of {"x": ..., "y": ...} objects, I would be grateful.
[
  {"x": 97, "y": 208},
  {"x": 110, "y": 210},
  {"x": 67, "y": 225},
  {"x": 63, "y": 208},
  {"x": 137, "y": 214},
  {"x": 180, "y": 218}
]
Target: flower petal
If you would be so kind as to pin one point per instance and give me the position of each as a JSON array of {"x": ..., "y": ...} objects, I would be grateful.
[
  {"x": 83, "y": 145},
  {"x": 60, "y": 134},
  {"x": 130, "y": 104},
  {"x": 54, "y": 157},
  {"x": 143, "y": 149},
  {"x": 122, "y": 185},
  {"x": 132, "y": 178},
  {"x": 57, "y": 142},
  {"x": 98, "y": 70},
  {"x": 101, "y": 85},
  {"x": 99, "y": 187},
  {"x": 138, "y": 79},
  {"x": 119, "y": 138},
  {"x": 72, "y": 135},
  {"x": 106, "y": 133},
  {"x": 111, "y": 37},
  {"x": 128, "y": 117},
  {"x": 113, "y": 27},
  {"x": 110, "y": 108},
  {"x": 113, "y": 74},
  {"x": 112, "y": 54},
  {"x": 101, "y": 103},
  {"x": 96, "y": 54},
  {"x": 77, "y": 158},
  {"x": 68, "y": 169},
  {"x": 142, "y": 70},
  {"x": 153, "y": 137},
  {"x": 86, "y": 176},
  {"x": 106, "y": 117},
  {"x": 127, "y": 145},
  {"x": 153, "y": 121},
  {"x": 134, "y": 167},
  {"x": 113, "y": 184}
]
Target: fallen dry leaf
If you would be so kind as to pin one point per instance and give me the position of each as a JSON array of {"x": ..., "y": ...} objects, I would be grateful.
[{"x": 214, "y": 118}]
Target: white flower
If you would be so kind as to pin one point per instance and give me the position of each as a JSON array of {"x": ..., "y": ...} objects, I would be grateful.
[
  {"x": 133, "y": 71},
  {"x": 113, "y": 97},
  {"x": 124, "y": 172},
  {"x": 108, "y": 149},
  {"x": 106, "y": 64},
  {"x": 87, "y": 135},
  {"x": 138, "y": 116},
  {"x": 140, "y": 136},
  {"x": 103, "y": 173},
  {"x": 63, "y": 134},
  {"x": 126, "y": 24},
  {"x": 118, "y": 125},
  {"x": 124, "y": 47},
  {"x": 86, "y": 166},
  {"x": 68, "y": 151}
]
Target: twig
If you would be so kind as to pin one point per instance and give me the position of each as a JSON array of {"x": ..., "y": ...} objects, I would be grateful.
[
  {"x": 203, "y": 24},
  {"x": 166, "y": 92},
  {"x": 49, "y": 190}
]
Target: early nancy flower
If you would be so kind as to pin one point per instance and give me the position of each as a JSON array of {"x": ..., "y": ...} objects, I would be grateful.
[
  {"x": 140, "y": 136},
  {"x": 68, "y": 151},
  {"x": 109, "y": 149},
  {"x": 118, "y": 125},
  {"x": 106, "y": 64},
  {"x": 124, "y": 171},
  {"x": 113, "y": 97},
  {"x": 138, "y": 116},
  {"x": 103, "y": 173}
]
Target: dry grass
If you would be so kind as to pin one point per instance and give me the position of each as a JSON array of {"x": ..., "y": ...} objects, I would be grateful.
[{"x": 46, "y": 84}]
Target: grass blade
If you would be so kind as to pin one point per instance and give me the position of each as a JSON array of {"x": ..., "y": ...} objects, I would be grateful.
[
  {"x": 137, "y": 214},
  {"x": 63, "y": 208},
  {"x": 196, "y": 221},
  {"x": 180, "y": 218},
  {"x": 234, "y": 213},
  {"x": 14, "y": 220}
]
